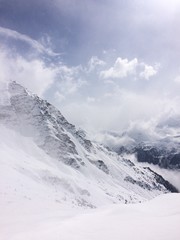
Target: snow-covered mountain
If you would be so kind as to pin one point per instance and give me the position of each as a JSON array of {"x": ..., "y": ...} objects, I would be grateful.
[
  {"x": 155, "y": 142},
  {"x": 45, "y": 159}
]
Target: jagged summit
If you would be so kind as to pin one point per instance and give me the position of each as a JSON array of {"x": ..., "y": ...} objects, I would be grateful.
[
  {"x": 54, "y": 154},
  {"x": 35, "y": 117}
]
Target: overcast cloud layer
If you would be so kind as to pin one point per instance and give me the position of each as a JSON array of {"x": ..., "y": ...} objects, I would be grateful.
[{"x": 104, "y": 64}]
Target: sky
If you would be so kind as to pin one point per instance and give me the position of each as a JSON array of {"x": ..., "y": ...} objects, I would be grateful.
[{"x": 104, "y": 63}]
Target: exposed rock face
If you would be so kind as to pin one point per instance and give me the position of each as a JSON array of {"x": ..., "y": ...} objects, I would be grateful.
[
  {"x": 101, "y": 165},
  {"x": 142, "y": 184},
  {"x": 162, "y": 181},
  {"x": 165, "y": 158}
]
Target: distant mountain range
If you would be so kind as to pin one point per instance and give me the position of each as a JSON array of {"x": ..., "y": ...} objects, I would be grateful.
[{"x": 159, "y": 145}]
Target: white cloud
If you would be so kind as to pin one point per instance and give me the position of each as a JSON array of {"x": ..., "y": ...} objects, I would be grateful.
[
  {"x": 38, "y": 77},
  {"x": 148, "y": 71},
  {"x": 122, "y": 68},
  {"x": 69, "y": 79},
  {"x": 33, "y": 74},
  {"x": 115, "y": 111},
  {"x": 82, "y": 98},
  {"x": 94, "y": 62},
  {"x": 111, "y": 140},
  {"x": 58, "y": 97},
  {"x": 22, "y": 37}
]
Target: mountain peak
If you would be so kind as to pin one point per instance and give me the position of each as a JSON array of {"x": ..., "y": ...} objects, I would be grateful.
[
  {"x": 15, "y": 88},
  {"x": 113, "y": 178},
  {"x": 40, "y": 120}
]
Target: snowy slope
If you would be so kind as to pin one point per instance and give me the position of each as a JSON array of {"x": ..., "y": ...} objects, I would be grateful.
[
  {"x": 45, "y": 159},
  {"x": 28, "y": 174},
  {"x": 156, "y": 219}
]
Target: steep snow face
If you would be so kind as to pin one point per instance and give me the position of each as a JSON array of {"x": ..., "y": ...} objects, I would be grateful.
[{"x": 48, "y": 160}]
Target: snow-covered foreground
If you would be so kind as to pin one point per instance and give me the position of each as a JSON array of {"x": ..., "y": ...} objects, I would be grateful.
[
  {"x": 56, "y": 185},
  {"x": 34, "y": 209},
  {"x": 156, "y": 219}
]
